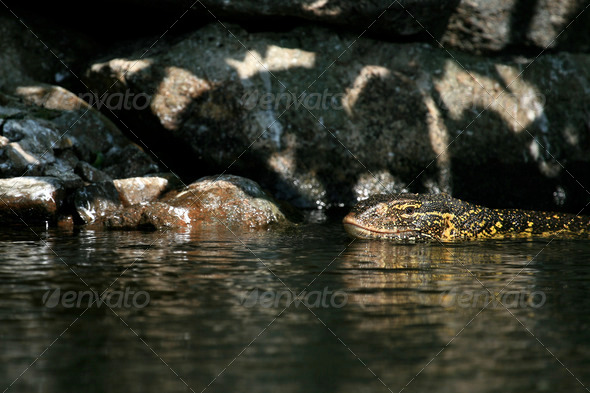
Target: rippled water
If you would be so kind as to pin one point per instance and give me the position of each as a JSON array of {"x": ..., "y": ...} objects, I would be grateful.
[{"x": 208, "y": 311}]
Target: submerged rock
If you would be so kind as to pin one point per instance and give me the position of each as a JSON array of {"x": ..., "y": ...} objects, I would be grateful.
[
  {"x": 138, "y": 203},
  {"x": 94, "y": 203},
  {"x": 30, "y": 200},
  {"x": 230, "y": 201},
  {"x": 150, "y": 215}
]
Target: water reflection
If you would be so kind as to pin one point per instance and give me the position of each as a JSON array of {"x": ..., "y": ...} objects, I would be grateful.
[{"x": 413, "y": 315}]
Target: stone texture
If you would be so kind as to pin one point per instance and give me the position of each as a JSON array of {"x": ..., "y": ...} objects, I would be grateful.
[
  {"x": 496, "y": 25},
  {"x": 381, "y": 16},
  {"x": 94, "y": 203},
  {"x": 153, "y": 215},
  {"x": 49, "y": 131},
  {"x": 477, "y": 26},
  {"x": 39, "y": 52},
  {"x": 232, "y": 200},
  {"x": 30, "y": 200},
  {"x": 90, "y": 174},
  {"x": 411, "y": 116},
  {"x": 93, "y": 136},
  {"x": 228, "y": 201},
  {"x": 141, "y": 189},
  {"x": 393, "y": 19}
]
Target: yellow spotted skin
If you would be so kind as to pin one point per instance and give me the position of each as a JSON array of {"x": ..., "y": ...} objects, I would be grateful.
[{"x": 419, "y": 217}]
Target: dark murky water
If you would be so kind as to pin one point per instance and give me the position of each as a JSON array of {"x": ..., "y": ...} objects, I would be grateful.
[{"x": 206, "y": 312}]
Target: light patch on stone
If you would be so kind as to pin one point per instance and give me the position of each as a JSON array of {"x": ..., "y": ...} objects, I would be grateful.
[
  {"x": 122, "y": 68},
  {"x": 534, "y": 149},
  {"x": 358, "y": 87},
  {"x": 24, "y": 157},
  {"x": 571, "y": 134},
  {"x": 51, "y": 97},
  {"x": 460, "y": 91},
  {"x": 176, "y": 91},
  {"x": 282, "y": 162},
  {"x": 317, "y": 8},
  {"x": 277, "y": 59}
]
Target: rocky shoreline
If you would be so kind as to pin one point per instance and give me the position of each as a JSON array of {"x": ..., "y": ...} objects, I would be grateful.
[{"x": 483, "y": 100}]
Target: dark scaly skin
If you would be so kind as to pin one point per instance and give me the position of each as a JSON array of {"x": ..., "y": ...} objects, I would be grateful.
[{"x": 419, "y": 217}]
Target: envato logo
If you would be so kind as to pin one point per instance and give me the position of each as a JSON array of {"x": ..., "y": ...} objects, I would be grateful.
[
  {"x": 312, "y": 299},
  {"x": 111, "y": 299},
  {"x": 117, "y": 101},
  {"x": 311, "y": 101},
  {"x": 126, "y": 100},
  {"x": 507, "y": 299}
]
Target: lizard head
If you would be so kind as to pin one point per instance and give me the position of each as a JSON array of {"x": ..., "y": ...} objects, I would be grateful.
[{"x": 405, "y": 217}]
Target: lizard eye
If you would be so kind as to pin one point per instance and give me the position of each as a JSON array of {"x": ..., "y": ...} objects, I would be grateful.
[{"x": 409, "y": 210}]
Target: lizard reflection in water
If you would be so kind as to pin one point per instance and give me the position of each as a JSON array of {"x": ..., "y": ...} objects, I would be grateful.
[{"x": 419, "y": 217}]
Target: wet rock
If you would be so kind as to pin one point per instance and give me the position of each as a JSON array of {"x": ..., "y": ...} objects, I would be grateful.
[
  {"x": 90, "y": 174},
  {"x": 65, "y": 222},
  {"x": 96, "y": 202},
  {"x": 39, "y": 120},
  {"x": 94, "y": 137},
  {"x": 30, "y": 200},
  {"x": 141, "y": 189},
  {"x": 49, "y": 131},
  {"x": 230, "y": 201},
  {"x": 309, "y": 128},
  {"x": 154, "y": 215},
  {"x": 62, "y": 171},
  {"x": 127, "y": 161},
  {"x": 495, "y": 25},
  {"x": 27, "y": 147}
]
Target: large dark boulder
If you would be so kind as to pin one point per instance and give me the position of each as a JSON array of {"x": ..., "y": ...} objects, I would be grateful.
[{"x": 381, "y": 117}]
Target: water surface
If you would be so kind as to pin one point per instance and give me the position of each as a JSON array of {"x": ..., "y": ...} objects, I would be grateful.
[{"x": 209, "y": 311}]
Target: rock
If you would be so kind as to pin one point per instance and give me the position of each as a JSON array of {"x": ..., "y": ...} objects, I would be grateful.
[
  {"x": 478, "y": 26},
  {"x": 105, "y": 145},
  {"x": 66, "y": 222},
  {"x": 18, "y": 65},
  {"x": 481, "y": 26},
  {"x": 64, "y": 173},
  {"x": 96, "y": 202},
  {"x": 410, "y": 115},
  {"x": 28, "y": 147},
  {"x": 229, "y": 201},
  {"x": 127, "y": 161},
  {"x": 141, "y": 189},
  {"x": 40, "y": 119},
  {"x": 30, "y": 200},
  {"x": 154, "y": 215},
  {"x": 49, "y": 131},
  {"x": 384, "y": 17},
  {"x": 90, "y": 174},
  {"x": 39, "y": 52}
]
